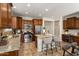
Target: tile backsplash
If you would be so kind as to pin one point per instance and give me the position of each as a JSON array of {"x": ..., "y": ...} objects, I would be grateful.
[{"x": 73, "y": 32}]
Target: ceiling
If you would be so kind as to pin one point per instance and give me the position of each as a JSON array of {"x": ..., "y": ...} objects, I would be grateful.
[{"x": 40, "y": 10}]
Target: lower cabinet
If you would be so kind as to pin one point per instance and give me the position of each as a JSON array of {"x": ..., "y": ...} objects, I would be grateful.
[
  {"x": 67, "y": 38},
  {"x": 70, "y": 38},
  {"x": 76, "y": 39},
  {"x": 11, "y": 53}
]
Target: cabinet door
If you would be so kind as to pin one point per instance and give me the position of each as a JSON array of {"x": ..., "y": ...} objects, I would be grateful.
[
  {"x": 4, "y": 19},
  {"x": 4, "y": 15},
  {"x": 36, "y": 22},
  {"x": 19, "y": 22},
  {"x": 71, "y": 22},
  {"x": 30, "y": 22},
  {"x": 9, "y": 15},
  {"x": 4, "y": 6},
  {"x": 77, "y": 23},
  {"x": 14, "y": 22},
  {"x": 40, "y": 21},
  {"x": 65, "y": 24},
  {"x": 76, "y": 39}
]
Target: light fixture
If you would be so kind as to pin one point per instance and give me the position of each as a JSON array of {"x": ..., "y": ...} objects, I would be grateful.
[
  {"x": 26, "y": 12},
  {"x": 28, "y": 5},
  {"x": 46, "y": 9}
]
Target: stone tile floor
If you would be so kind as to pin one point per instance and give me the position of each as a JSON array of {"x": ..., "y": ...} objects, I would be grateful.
[{"x": 29, "y": 49}]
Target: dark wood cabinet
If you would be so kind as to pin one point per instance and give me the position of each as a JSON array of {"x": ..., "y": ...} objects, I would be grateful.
[
  {"x": 40, "y": 21},
  {"x": 67, "y": 38},
  {"x": 37, "y": 21},
  {"x": 9, "y": 14},
  {"x": 65, "y": 25},
  {"x": 77, "y": 23},
  {"x": 70, "y": 38},
  {"x": 71, "y": 23},
  {"x": 16, "y": 22},
  {"x": 76, "y": 39},
  {"x": 19, "y": 22},
  {"x": 5, "y": 15},
  {"x": 27, "y": 22}
]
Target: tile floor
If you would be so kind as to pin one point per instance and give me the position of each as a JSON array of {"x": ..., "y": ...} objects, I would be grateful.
[{"x": 29, "y": 49}]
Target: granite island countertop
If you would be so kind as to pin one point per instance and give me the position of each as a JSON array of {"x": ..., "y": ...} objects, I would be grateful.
[
  {"x": 40, "y": 38},
  {"x": 13, "y": 44},
  {"x": 43, "y": 35}
]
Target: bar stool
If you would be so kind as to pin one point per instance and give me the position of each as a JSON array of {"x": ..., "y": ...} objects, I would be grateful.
[
  {"x": 48, "y": 43},
  {"x": 74, "y": 50}
]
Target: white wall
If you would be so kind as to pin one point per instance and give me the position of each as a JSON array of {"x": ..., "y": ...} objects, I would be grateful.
[
  {"x": 49, "y": 24},
  {"x": 55, "y": 27},
  {"x": 27, "y": 18},
  {"x": 71, "y": 15},
  {"x": 74, "y": 32},
  {"x": 48, "y": 19},
  {"x": 58, "y": 28}
]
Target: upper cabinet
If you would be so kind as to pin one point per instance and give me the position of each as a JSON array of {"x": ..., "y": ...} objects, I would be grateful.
[
  {"x": 27, "y": 22},
  {"x": 71, "y": 23},
  {"x": 77, "y": 23},
  {"x": 37, "y": 21},
  {"x": 9, "y": 14},
  {"x": 65, "y": 24},
  {"x": 16, "y": 22},
  {"x": 5, "y": 15}
]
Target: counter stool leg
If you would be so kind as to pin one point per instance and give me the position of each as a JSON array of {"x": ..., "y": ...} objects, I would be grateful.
[
  {"x": 51, "y": 48},
  {"x": 64, "y": 53},
  {"x": 56, "y": 46},
  {"x": 46, "y": 49},
  {"x": 42, "y": 47}
]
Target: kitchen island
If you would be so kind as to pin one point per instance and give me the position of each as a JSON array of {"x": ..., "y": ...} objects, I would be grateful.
[
  {"x": 12, "y": 47},
  {"x": 39, "y": 40}
]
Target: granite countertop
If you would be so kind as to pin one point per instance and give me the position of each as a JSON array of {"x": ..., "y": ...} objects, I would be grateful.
[
  {"x": 12, "y": 44},
  {"x": 44, "y": 35},
  {"x": 70, "y": 34}
]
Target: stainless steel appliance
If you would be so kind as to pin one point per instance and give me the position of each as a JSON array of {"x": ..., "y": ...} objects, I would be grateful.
[
  {"x": 27, "y": 33},
  {"x": 38, "y": 29}
]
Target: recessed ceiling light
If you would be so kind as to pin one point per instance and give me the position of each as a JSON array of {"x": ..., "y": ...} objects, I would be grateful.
[
  {"x": 26, "y": 12},
  {"x": 46, "y": 9},
  {"x": 28, "y": 5}
]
